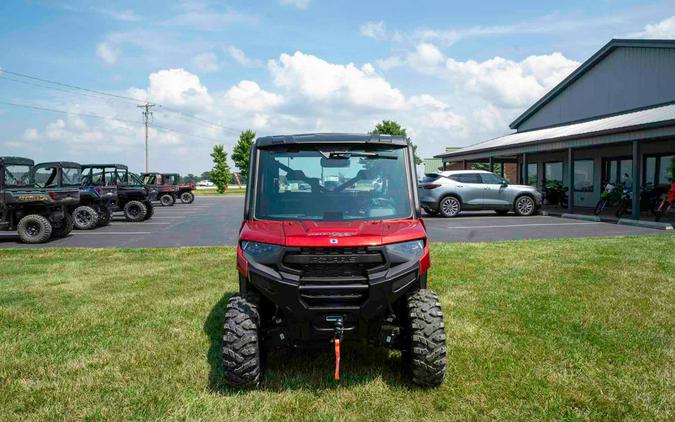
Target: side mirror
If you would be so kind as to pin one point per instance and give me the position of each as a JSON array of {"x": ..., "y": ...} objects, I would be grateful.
[{"x": 504, "y": 183}]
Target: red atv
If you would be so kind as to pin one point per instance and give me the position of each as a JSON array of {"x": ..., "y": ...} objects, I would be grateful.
[
  {"x": 332, "y": 249},
  {"x": 166, "y": 193},
  {"x": 184, "y": 189}
]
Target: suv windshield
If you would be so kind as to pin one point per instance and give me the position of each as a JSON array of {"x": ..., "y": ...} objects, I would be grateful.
[
  {"x": 353, "y": 184},
  {"x": 17, "y": 175}
]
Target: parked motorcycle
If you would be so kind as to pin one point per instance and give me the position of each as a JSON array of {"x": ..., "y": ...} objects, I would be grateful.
[
  {"x": 650, "y": 197},
  {"x": 666, "y": 203},
  {"x": 556, "y": 194},
  {"x": 611, "y": 196}
]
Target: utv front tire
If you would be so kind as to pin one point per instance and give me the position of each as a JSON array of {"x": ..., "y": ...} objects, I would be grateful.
[
  {"x": 426, "y": 352},
  {"x": 241, "y": 353},
  {"x": 104, "y": 216},
  {"x": 149, "y": 210},
  {"x": 187, "y": 197},
  {"x": 85, "y": 217},
  {"x": 34, "y": 228},
  {"x": 135, "y": 211}
]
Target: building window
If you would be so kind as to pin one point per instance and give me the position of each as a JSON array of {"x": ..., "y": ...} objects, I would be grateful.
[
  {"x": 553, "y": 174},
  {"x": 666, "y": 170},
  {"x": 583, "y": 175},
  {"x": 650, "y": 171},
  {"x": 617, "y": 170},
  {"x": 532, "y": 176}
]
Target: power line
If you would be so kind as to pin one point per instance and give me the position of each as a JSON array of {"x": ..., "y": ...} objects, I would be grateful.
[{"x": 96, "y": 116}]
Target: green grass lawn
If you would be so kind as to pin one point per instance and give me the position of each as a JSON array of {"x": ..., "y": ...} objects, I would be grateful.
[
  {"x": 571, "y": 329},
  {"x": 214, "y": 192}
]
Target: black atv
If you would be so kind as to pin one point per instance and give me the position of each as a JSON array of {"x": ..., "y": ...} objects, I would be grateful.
[
  {"x": 133, "y": 199},
  {"x": 96, "y": 202},
  {"x": 37, "y": 214}
]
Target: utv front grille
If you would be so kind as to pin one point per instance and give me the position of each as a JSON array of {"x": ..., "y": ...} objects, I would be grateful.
[{"x": 333, "y": 262}]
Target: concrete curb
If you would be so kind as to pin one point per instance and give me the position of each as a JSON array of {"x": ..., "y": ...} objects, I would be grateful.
[
  {"x": 581, "y": 217},
  {"x": 648, "y": 224}
]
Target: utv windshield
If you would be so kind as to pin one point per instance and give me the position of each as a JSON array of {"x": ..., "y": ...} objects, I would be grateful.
[
  {"x": 171, "y": 179},
  {"x": 71, "y": 176},
  {"x": 17, "y": 175},
  {"x": 350, "y": 184}
]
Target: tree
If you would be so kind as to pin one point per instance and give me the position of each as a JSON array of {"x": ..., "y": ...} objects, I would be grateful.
[
  {"x": 241, "y": 153},
  {"x": 190, "y": 178},
  {"x": 390, "y": 127},
  {"x": 220, "y": 174},
  {"x": 206, "y": 176}
]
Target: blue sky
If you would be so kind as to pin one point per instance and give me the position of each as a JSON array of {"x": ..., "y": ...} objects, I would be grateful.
[{"x": 453, "y": 73}]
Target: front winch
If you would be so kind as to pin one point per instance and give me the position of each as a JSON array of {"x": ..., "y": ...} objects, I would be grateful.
[{"x": 337, "y": 339}]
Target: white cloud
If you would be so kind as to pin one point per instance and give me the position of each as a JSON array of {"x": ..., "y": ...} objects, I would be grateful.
[
  {"x": 107, "y": 53},
  {"x": 199, "y": 16},
  {"x": 247, "y": 95},
  {"x": 241, "y": 58},
  {"x": 300, "y": 4},
  {"x": 508, "y": 82},
  {"x": 206, "y": 62},
  {"x": 425, "y": 55},
  {"x": 176, "y": 87},
  {"x": 374, "y": 30},
  {"x": 664, "y": 29},
  {"x": 127, "y": 15},
  {"x": 318, "y": 80}
]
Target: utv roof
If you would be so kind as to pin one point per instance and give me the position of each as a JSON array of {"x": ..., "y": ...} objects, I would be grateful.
[
  {"x": 17, "y": 161},
  {"x": 119, "y": 166},
  {"x": 331, "y": 138},
  {"x": 67, "y": 164}
]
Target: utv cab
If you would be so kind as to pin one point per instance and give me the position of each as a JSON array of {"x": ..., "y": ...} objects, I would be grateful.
[
  {"x": 96, "y": 202},
  {"x": 332, "y": 250},
  {"x": 184, "y": 189},
  {"x": 166, "y": 193},
  {"x": 36, "y": 214},
  {"x": 133, "y": 198}
]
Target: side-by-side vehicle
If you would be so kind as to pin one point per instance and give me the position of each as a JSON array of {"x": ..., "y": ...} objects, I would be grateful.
[
  {"x": 333, "y": 249},
  {"x": 184, "y": 189},
  {"x": 37, "y": 214}
]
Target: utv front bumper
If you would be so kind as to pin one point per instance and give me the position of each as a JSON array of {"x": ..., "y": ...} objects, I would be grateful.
[{"x": 312, "y": 287}]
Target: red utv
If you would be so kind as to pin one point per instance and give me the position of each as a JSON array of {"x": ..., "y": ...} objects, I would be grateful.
[
  {"x": 184, "y": 189},
  {"x": 332, "y": 249},
  {"x": 166, "y": 193}
]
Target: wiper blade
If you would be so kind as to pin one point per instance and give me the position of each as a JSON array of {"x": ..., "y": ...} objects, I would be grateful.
[{"x": 344, "y": 155}]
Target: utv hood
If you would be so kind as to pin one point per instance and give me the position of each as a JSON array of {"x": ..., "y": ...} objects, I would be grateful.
[{"x": 298, "y": 233}]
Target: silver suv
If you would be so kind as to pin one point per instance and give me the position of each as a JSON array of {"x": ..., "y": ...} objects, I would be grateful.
[{"x": 449, "y": 192}]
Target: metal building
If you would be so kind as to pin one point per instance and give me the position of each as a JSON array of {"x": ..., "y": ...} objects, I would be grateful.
[{"x": 612, "y": 119}]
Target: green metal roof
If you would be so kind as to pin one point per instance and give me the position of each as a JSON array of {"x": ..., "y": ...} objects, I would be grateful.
[{"x": 585, "y": 67}]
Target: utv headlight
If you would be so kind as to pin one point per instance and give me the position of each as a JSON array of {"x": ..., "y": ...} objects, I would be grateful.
[
  {"x": 405, "y": 251},
  {"x": 263, "y": 253}
]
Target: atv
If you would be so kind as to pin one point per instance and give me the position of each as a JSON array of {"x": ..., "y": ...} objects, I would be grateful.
[
  {"x": 133, "y": 197},
  {"x": 37, "y": 214},
  {"x": 184, "y": 189},
  {"x": 96, "y": 202},
  {"x": 332, "y": 249},
  {"x": 166, "y": 193}
]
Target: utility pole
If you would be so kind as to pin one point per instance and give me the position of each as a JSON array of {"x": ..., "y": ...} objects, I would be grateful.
[{"x": 147, "y": 119}]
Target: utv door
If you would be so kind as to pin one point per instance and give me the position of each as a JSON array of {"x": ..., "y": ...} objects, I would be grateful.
[{"x": 495, "y": 191}]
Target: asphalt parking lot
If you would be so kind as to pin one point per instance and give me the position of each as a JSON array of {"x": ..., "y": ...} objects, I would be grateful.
[{"x": 213, "y": 221}]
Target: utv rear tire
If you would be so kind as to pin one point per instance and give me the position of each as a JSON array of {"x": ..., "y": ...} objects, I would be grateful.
[
  {"x": 104, "y": 216},
  {"x": 241, "y": 353},
  {"x": 149, "y": 210},
  {"x": 187, "y": 197},
  {"x": 167, "y": 200},
  {"x": 135, "y": 211},
  {"x": 450, "y": 206},
  {"x": 65, "y": 228},
  {"x": 34, "y": 228},
  {"x": 85, "y": 217},
  {"x": 426, "y": 352}
]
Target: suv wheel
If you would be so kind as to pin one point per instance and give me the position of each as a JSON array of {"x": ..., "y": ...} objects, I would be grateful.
[
  {"x": 167, "y": 200},
  {"x": 449, "y": 206},
  {"x": 524, "y": 206},
  {"x": 241, "y": 353},
  {"x": 65, "y": 228},
  {"x": 187, "y": 197},
  {"x": 134, "y": 211},
  {"x": 85, "y": 218},
  {"x": 426, "y": 352},
  {"x": 34, "y": 228}
]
